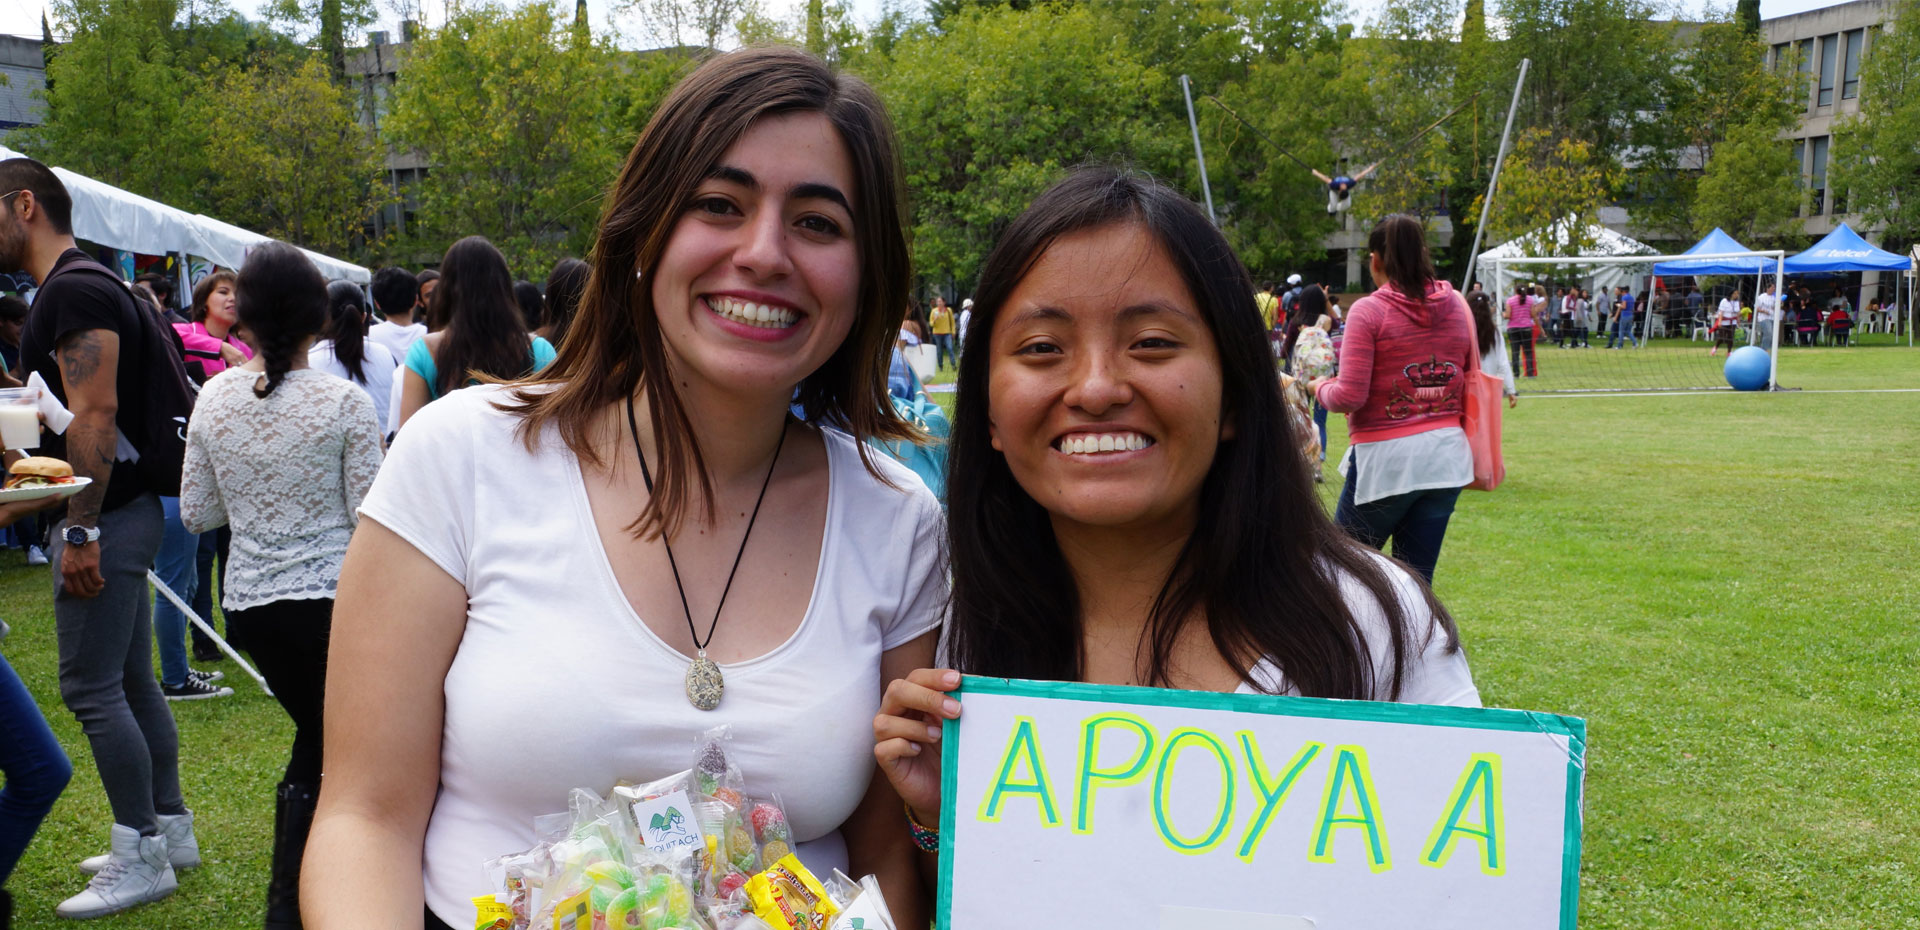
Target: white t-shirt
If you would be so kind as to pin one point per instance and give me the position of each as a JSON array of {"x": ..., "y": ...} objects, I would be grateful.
[
  {"x": 1728, "y": 314},
  {"x": 557, "y": 684},
  {"x": 1432, "y": 675},
  {"x": 398, "y": 339},
  {"x": 1763, "y": 307},
  {"x": 378, "y": 365}
]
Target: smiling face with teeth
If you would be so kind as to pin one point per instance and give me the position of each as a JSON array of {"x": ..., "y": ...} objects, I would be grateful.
[
  {"x": 759, "y": 280},
  {"x": 1104, "y": 392}
]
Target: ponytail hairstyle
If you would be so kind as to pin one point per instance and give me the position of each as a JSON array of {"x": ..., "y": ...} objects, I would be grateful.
[
  {"x": 282, "y": 301},
  {"x": 1482, "y": 307},
  {"x": 483, "y": 333},
  {"x": 1307, "y": 310},
  {"x": 1400, "y": 243},
  {"x": 347, "y": 328},
  {"x": 565, "y": 283},
  {"x": 532, "y": 309}
]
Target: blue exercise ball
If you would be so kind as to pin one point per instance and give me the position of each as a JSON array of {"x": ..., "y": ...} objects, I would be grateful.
[{"x": 1747, "y": 369}]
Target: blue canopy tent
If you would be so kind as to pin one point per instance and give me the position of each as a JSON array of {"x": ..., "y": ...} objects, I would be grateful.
[
  {"x": 1713, "y": 247},
  {"x": 1844, "y": 250}
]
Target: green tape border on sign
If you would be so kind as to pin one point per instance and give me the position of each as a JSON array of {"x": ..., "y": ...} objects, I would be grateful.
[{"x": 1478, "y": 718}]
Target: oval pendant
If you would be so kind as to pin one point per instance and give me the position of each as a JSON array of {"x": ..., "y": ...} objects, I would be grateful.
[{"x": 704, "y": 683}]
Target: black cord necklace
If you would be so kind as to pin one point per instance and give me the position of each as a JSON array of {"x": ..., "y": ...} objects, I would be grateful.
[{"x": 705, "y": 684}]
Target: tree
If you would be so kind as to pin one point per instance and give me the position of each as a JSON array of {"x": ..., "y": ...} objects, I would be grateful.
[
  {"x": 1720, "y": 84},
  {"x": 672, "y": 23},
  {"x": 1874, "y": 156},
  {"x": 1751, "y": 189},
  {"x": 334, "y": 21},
  {"x": 117, "y": 100},
  {"x": 1547, "y": 182},
  {"x": 1747, "y": 14},
  {"x": 999, "y": 107},
  {"x": 294, "y": 163},
  {"x": 520, "y": 127}
]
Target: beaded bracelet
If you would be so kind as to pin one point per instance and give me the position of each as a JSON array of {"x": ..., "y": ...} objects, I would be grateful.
[{"x": 927, "y": 838}]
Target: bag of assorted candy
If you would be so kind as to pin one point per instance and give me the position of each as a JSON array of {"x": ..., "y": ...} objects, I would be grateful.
[{"x": 692, "y": 851}]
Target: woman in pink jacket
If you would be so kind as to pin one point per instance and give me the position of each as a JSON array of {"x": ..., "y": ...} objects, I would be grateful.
[{"x": 1409, "y": 346}]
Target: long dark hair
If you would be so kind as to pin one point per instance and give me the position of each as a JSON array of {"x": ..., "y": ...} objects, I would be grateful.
[
  {"x": 1264, "y": 563},
  {"x": 203, "y": 289},
  {"x": 615, "y": 347},
  {"x": 347, "y": 329},
  {"x": 532, "y": 305},
  {"x": 1400, "y": 242},
  {"x": 565, "y": 283},
  {"x": 484, "y": 334},
  {"x": 1307, "y": 310},
  {"x": 1483, "y": 324},
  {"x": 282, "y": 300}
]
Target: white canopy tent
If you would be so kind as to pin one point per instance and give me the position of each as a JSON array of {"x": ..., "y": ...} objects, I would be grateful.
[
  {"x": 1497, "y": 268},
  {"x": 124, "y": 220}
]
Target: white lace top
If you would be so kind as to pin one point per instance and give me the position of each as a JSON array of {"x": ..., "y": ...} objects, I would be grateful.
[{"x": 287, "y": 472}]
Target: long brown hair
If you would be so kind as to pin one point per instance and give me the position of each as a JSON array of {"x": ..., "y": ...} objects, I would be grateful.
[
  {"x": 615, "y": 347},
  {"x": 1401, "y": 243}
]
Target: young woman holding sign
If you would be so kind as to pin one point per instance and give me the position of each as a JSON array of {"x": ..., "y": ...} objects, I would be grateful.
[{"x": 1127, "y": 507}]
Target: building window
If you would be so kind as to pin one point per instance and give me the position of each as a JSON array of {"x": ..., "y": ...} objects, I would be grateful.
[
  {"x": 1780, "y": 53},
  {"x": 1818, "y": 171},
  {"x": 1850, "y": 74},
  {"x": 1804, "y": 61},
  {"x": 1800, "y": 161},
  {"x": 1829, "y": 57}
]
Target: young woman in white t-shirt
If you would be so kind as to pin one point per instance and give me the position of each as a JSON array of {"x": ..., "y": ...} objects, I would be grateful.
[
  {"x": 553, "y": 580},
  {"x": 1186, "y": 548}
]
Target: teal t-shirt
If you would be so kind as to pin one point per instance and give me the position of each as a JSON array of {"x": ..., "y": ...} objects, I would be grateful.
[{"x": 420, "y": 360}]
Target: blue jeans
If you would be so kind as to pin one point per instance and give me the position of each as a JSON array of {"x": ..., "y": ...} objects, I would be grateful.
[
  {"x": 176, "y": 566},
  {"x": 943, "y": 349},
  {"x": 37, "y": 771},
  {"x": 1320, "y": 423},
  {"x": 1622, "y": 332},
  {"x": 1416, "y": 521}
]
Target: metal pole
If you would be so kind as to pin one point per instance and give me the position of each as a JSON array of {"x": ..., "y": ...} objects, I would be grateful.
[
  {"x": 1779, "y": 290},
  {"x": 1186, "y": 88},
  {"x": 187, "y": 610},
  {"x": 1486, "y": 206}
]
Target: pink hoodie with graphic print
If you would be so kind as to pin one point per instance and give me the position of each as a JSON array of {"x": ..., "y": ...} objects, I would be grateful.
[{"x": 1403, "y": 364}]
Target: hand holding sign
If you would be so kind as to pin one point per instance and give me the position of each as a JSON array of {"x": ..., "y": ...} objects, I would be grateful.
[{"x": 911, "y": 715}]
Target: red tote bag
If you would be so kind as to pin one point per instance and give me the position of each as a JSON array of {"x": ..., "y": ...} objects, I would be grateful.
[{"x": 1484, "y": 394}]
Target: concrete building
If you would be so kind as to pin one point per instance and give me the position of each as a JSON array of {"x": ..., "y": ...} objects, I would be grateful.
[
  {"x": 372, "y": 72},
  {"x": 1826, "y": 46},
  {"x": 23, "y": 75}
]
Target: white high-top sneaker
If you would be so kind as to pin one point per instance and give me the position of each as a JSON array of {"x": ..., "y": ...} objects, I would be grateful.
[
  {"x": 137, "y": 871},
  {"x": 183, "y": 848}
]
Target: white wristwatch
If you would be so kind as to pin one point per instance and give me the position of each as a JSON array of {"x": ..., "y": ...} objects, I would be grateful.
[{"x": 81, "y": 535}]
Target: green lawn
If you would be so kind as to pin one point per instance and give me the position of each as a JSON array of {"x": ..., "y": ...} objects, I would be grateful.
[{"x": 1723, "y": 585}]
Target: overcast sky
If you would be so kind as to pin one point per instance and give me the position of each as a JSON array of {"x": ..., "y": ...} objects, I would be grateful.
[{"x": 22, "y": 17}]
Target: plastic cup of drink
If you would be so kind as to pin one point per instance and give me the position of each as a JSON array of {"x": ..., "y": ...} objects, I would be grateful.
[{"x": 19, "y": 418}]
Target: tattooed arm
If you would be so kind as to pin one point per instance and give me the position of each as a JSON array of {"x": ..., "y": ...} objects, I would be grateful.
[{"x": 89, "y": 366}]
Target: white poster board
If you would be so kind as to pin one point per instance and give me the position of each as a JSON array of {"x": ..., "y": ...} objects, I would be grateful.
[{"x": 1071, "y": 805}]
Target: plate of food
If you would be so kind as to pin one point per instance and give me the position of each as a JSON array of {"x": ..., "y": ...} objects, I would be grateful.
[{"x": 38, "y": 477}]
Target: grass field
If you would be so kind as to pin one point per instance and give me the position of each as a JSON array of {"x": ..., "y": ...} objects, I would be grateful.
[{"x": 1723, "y": 585}]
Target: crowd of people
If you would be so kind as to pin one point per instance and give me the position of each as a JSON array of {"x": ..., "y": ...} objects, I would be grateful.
[{"x": 686, "y": 430}]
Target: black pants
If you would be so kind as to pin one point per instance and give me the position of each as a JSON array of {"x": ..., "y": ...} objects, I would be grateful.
[{"x": 287, "y": 641}]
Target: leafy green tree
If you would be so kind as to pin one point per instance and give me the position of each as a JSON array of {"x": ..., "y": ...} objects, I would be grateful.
[
  {"x": 522, "y": 129},
  {"x": 118, "y": 100},
  {"x": 1751, "y": 188},
  {"x": 1598, "y": 67},
  {"x": 1875, "y": 157},
  {"x": 1720, "y": 85},
  {"x": 999, "y": 106},
  {"x": 1548, "y": 181},
  {"x": 293, "y": 161},
  {"x": 333, "y": 22}
]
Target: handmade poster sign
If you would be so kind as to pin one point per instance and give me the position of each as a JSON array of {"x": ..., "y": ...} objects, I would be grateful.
[{"x": 1069, "y": 805}]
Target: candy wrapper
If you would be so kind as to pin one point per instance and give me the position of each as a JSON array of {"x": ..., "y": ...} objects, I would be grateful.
[
  {"x": 862, "y": 906},
  {"x": 714, "y": 773},
  {"x": 663, "y": 813},
  {"x": 787, "y": 897}
]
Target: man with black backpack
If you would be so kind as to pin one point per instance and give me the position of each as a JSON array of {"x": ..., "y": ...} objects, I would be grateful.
[{"x": 109, "y": 362}]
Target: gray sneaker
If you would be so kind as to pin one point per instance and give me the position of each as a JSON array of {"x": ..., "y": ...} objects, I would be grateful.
[
  {"x": 137, "y": 871},
  {"x": 183, "y": 848}
]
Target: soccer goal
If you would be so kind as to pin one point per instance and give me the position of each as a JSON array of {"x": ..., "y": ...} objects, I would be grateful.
[{"x": 1670, "y": 345}]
